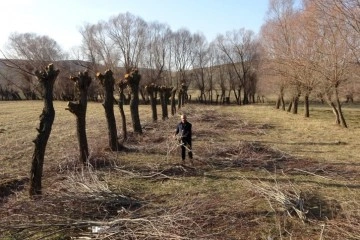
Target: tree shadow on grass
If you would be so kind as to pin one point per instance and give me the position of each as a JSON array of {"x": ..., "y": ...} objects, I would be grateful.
[{"x": 10, "y": 187}]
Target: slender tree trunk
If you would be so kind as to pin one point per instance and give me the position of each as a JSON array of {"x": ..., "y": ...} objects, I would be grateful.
[
  {"x": 307, "y": 106},
  {"x": 173, "y": 102},
  {"x": 82, "y": 82},
  {"x": 47, "y": 79},
  {"x": 282, "y": 103},
  {"x": 237, "y": 98},
  {"x": 335, "y": 111},
  {"x": 341, "y": 115},
  {"x": 278, "y": 102},
  {"x": 180, "y": 99},
  {"x": 290, "y": 106},
  {"x": 122, "y": 86}
]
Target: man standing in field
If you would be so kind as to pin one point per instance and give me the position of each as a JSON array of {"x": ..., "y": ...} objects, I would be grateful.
[{"x": 184, "y": 131}]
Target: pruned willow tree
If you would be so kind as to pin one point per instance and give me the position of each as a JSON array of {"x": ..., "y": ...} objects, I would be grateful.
[
  {"x": 107, "y": 81},
  {"x": 128, "y": 36},
  {"x": 46, "y": 78},
  {"x": 78, "y": 108},
  {"x": 132, "y": 79}
]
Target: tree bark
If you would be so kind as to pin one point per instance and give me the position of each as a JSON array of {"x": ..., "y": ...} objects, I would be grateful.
[
  {"x": 122, "y": 86},
  {"x": 173, "y": 102},
  {"x": 165, "y": 95},
  {"x": 133, "y": 80},
  {"x": 151, "y": 90},
  {"x": 107, "y": 81},
  {"x": 47, "y": 79},
  {"x": 295, "y": 105},
  {"x": 341, "y": 115},
  {"x": 82, "y": 83},
  {"x": 307, "y": 106}
]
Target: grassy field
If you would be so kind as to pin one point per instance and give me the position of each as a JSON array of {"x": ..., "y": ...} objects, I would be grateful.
[{"x": 259, "y": 173}]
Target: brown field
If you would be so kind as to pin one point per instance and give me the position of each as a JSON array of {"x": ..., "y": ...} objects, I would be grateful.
[{"x": 259, "y": 173}]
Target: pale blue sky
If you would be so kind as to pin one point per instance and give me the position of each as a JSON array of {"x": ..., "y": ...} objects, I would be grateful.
[{"x": 61, "y": 19}]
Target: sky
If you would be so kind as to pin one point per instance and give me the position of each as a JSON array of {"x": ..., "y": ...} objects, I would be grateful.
[{"x": 62, "y": 19}]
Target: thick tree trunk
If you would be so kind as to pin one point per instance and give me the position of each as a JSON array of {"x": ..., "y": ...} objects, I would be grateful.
[
  {"x": 151, "y": 90},
  {"x": 107, "y": 81},
  {"x": 246, "y": 97},
  {"x": 47, "y": 79},
  {"x": 82, "y": 82},
  {"x": 133, "y": 80}
]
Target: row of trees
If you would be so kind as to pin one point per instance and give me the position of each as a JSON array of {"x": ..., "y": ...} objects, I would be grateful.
[
  {"x": 218, "y": 69},
  {"x": 306, "y": 51},
  {"x": 82, "y": 81},
  {"x": 313, "y": 50}
]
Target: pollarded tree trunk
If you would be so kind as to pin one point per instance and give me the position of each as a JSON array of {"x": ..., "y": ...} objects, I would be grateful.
[
  {"x": 133, "y": 79},
  {"x": 151, "y": 90},
  {"x": 122, "y": 86},
  {"x": 107, "y": 81},
  {"x": 165, "y": 93},
  {"x": 47, "y": 79},
  {"x": 82, "y": 83}
]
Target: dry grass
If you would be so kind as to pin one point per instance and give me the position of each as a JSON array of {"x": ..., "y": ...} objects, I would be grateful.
[{"x": 259, "y": 173}]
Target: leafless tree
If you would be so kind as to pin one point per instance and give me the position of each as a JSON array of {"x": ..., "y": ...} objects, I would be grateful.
[
  {"x": 27, "y": 52},
  {"x": 200, "y": 65},
  {"x": 82, "y": 83},
  {"x": 128, "y": 35},
  {"x": 46, "y": 78},
  {"x": 334, "y": 61},
  {"x": 157, "y": 51},
  {"x": 183, "y": 52},
  {"x": 240, "y": 48},
  {"x": 107, "y": 81},
  {"x": 133, "y": 80}
]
